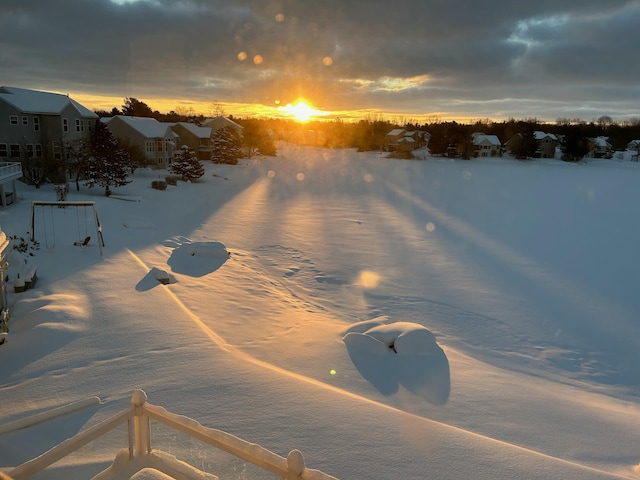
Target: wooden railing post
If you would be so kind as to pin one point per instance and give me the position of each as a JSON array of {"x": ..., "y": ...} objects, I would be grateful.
[
  {"x": 295, "y": 465},
  {"x": 141, "y": 424}
]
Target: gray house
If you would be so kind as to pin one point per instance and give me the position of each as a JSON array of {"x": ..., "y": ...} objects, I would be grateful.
[
  {"x": 36, "y": 124},
  {"x": 156, "y": 139}
]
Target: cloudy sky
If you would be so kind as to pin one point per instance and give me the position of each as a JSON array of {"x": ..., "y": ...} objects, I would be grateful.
[{"x": 418, "y": 59}]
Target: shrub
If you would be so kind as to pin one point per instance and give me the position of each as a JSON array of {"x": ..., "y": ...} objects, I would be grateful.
[
  {"x": 159, "y": 185},
  {"x": 171, "y": 180}
]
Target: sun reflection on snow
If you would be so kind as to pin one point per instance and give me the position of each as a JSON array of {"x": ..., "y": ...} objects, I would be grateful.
[{"x": 369, "y": 279}]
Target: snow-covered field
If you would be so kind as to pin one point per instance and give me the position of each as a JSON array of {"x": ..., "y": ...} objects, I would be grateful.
[{"x": 508, "y": 290}]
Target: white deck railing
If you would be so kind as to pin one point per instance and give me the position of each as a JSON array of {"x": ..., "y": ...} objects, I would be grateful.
[
  {"x": 138, "y": 417},
  {"x": 10, "y": 170}
]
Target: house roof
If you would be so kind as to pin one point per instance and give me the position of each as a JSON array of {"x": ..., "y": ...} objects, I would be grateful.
[
  {"x": 397, "y": 131},
  {"x": 479, "y": 138},
  {"x": 601, "y": 141},
  {"x": 539, "y": 135},
  {"x": 147, "y": 126},
  {"x": 221, "y": 120},
  {"x": 200, "y": 132},
  {"x": 37, "y": 102}
]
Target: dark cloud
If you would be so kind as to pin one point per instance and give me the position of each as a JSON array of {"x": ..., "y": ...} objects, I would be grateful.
[{"x": 463, "y": 57}]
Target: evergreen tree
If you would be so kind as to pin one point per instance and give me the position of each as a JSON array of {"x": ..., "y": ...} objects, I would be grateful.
[
  {"x": 135, "y": 108},
  {"x": 226, "y": 146},
  {"x": 108, "y": 164},
  {"x": 187, "y": 165}
]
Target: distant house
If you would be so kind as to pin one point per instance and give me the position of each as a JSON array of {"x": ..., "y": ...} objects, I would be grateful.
[
  {"x": 547, "y": 144},
  {"x": 219, "y": 122},
  {"x": 600, "y": 147},
  {"x": 634, "y": 145},
  {"x": 402, "y": 140},
  {"x": 156, "y": 139},
  {"x": 486, "y": 145},
  {"x": 35, "y": 124},
  {"x": 195, "y": 137}
]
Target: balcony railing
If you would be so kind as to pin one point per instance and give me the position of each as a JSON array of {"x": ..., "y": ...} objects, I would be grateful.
[
  {"x": 138, "y": 417},
  {"x": 10, "y": 170}
]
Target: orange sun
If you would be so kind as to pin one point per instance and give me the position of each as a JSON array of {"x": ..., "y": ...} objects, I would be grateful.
[{"x": 301, "y": 111}]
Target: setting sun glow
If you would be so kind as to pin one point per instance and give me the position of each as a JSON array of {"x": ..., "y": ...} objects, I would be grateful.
[{"x": 300, "y": 111}]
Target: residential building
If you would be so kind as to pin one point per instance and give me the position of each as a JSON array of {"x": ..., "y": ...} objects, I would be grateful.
[
  {"x": 156, "y": 139},
  {"x": 36, "y": 124},
  {"x": 403, "y": 140},
  {"x": 547, "y": 144},
  {"x": 196, "y": 138},
  {"x": 486, "y": 145},
  {"x": 219, "y": 122},
  {"x": 600, "y": 147}
]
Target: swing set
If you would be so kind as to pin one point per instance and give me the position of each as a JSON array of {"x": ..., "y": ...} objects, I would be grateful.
[{"x": 83, "y": 236}]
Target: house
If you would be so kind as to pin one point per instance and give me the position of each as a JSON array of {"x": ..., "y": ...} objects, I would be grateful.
[
  {"x": 156, "y": 139},
  {"x": 634, "y": 145},
  {"x": 403, "y": 140},
  {"x": 600, "y": 147},
  {"x": 392, "y": 138},
  {"x": 486, "y": 145},
  {"x": 196, "y": 138},
  {"x": 219, "y": 122},
  {"x": 547, "y": 144},
  {"x": 35, "y": 124}
]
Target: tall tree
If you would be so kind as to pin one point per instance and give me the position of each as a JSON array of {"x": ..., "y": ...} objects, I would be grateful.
[
  {"x": 108, "y": 164},
  {"x": 187, "y": 165},
  {"x": 226, "y": 146},
  {"x": 135, "y": 108}
]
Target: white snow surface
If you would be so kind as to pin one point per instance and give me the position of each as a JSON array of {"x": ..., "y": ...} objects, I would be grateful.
[{"x": 508, "y": 290}]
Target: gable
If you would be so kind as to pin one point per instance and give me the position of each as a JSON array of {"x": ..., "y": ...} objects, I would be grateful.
[{"x": 41, "y": 103}]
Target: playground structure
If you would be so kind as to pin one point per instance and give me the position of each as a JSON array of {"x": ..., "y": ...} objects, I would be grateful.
[{"x": 82, "y": 236}]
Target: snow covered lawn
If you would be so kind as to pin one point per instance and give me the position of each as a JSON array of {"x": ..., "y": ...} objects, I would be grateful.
[{"x": 389, "y": 318}]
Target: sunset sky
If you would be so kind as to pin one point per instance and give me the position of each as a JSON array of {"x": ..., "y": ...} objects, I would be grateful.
[{"x": 415, "y": 59}]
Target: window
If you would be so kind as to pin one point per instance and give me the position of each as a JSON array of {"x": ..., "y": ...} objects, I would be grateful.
[
  {"x": 13, "y": 119},
  {"x": 4, "y": 152},
  {"x": 36, "y": 124},
  {"x": 150, "y": 147},
  {"x": 38, "y": 149},
  {"x": 14, "y": 150},
  {"x": 65, "y": 124},
  {"x": 57, "y": 151},
  {"x": 25, "y": 120},
  {"x": 30, "y": 150},
  {"x": 79, "y": 125},
  {"x": 159, "y": 143}
]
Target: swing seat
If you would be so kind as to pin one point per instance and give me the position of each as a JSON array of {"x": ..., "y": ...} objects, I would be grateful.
[{"x": 83, "y": 243}]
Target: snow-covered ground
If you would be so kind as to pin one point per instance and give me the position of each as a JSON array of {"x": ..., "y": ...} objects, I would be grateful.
[{"x": 389, "y": 318}]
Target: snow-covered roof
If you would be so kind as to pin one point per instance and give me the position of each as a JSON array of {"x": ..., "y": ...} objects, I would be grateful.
[
  {"x": 219, "y": 121},
  {"x": 539, "y": 135},
  {"x": 600, "y": 141},
  {"x": 200, "y": 132},
  {"x": 482, "y": 138},
  {"x": 37, "y": 102},
  {"x": 147, "y": 126},
  {"x": 396, "y": 131}
]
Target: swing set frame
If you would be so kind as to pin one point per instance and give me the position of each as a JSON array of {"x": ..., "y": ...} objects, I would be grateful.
[{"x": 35, "y": 204}]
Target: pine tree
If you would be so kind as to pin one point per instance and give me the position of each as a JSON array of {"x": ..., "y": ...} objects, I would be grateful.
[
  {"x": 187, "y": 165},
  {"x": 108, "y": 164},
  {"x": 226, "y": 146}
]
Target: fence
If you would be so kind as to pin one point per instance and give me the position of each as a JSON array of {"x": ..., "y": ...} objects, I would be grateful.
[{"x": 138, "y": 417}]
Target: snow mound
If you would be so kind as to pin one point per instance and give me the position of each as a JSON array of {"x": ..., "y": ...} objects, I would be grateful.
[
  {"x": 197, "y": 259},
  {"x": 393, "y": 354},
  {"x": 405, "y": 338}
]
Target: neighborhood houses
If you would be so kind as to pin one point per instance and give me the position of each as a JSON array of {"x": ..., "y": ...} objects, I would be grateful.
[{"x": 44, "y": 135}]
